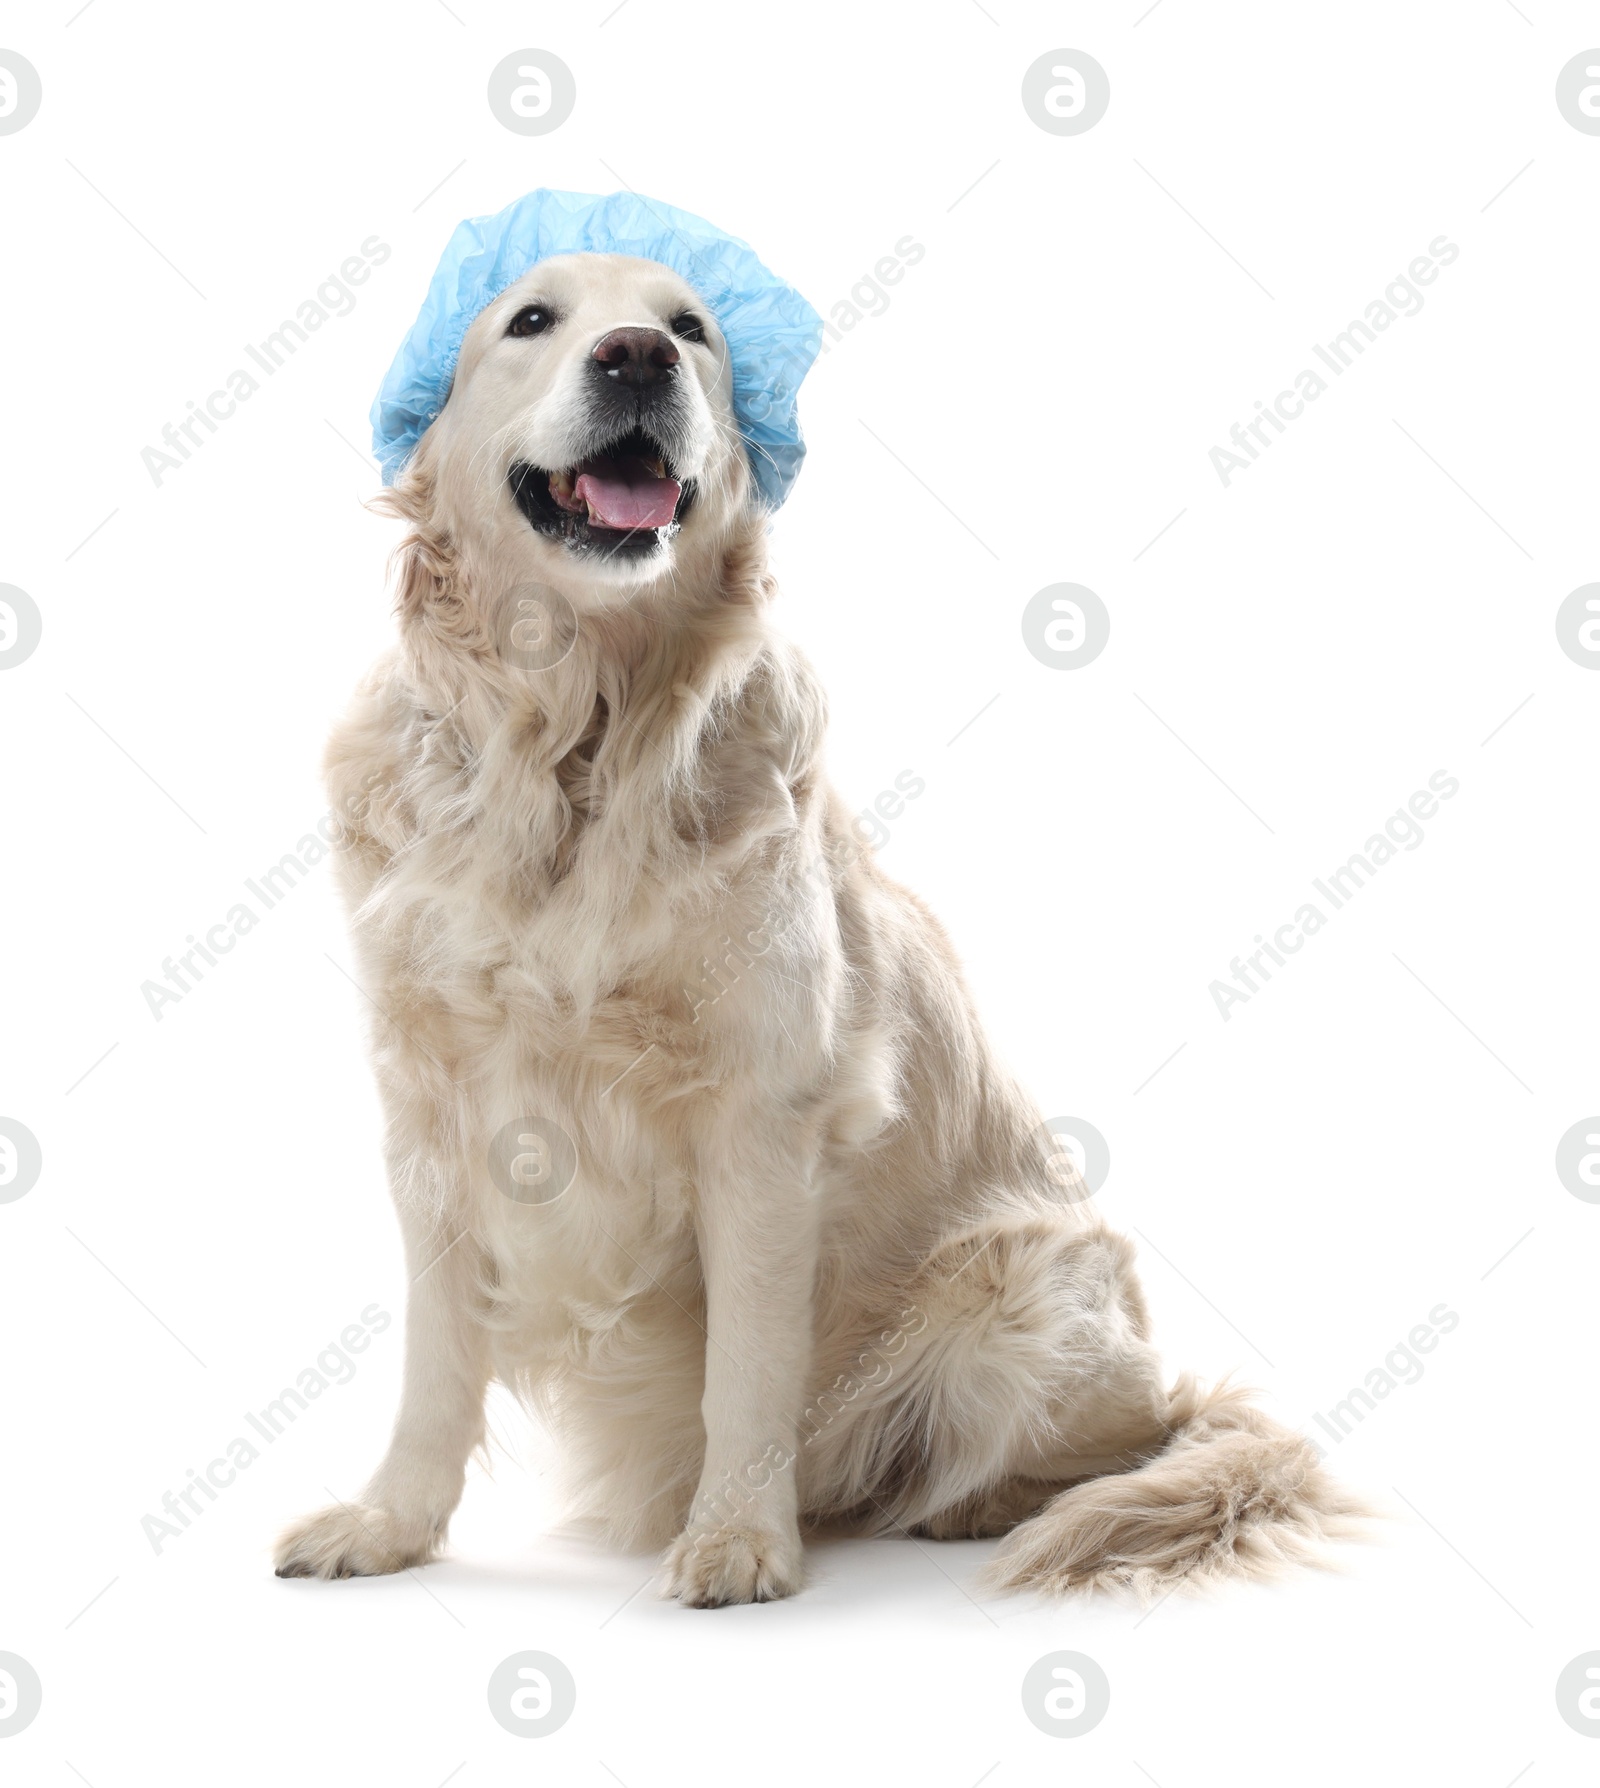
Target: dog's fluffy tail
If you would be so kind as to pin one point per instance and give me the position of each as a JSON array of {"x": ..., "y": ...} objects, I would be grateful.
[{"x": 1233, "y": 1493}]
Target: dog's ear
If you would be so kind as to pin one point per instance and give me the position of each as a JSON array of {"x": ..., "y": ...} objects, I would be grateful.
[{"x": 423, "y": 564}]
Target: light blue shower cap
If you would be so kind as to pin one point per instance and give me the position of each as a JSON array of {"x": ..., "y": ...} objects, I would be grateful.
[{"x": 773, "y": 335}]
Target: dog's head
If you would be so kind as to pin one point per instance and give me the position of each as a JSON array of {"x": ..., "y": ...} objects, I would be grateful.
[{"x": 589, "y": 439}]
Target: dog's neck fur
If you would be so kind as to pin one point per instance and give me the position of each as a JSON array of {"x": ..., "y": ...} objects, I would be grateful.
[
  {"x": 680, "y": 715},
  {"x": 696, "y": 635}
]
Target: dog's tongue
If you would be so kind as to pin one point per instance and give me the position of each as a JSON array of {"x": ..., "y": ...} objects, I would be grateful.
[{"x": 627, "y": 494}]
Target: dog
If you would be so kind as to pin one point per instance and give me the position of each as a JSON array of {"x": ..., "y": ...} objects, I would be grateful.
[{"x": 693, "y": 1133}]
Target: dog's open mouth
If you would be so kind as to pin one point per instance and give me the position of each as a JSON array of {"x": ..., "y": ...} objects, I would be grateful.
[{"x": 620, "y": 502}]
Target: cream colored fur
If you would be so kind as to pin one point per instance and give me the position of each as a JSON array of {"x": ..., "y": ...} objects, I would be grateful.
[{"x": 813, "y": 1264}]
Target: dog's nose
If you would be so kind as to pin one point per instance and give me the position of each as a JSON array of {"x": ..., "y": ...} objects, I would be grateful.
[{"x": 636, "y": 356}]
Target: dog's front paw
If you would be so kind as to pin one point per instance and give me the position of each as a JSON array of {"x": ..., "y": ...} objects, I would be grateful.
[
  {"x": 711, "y": 1567},
  {"x": 354, "y": 1540}
]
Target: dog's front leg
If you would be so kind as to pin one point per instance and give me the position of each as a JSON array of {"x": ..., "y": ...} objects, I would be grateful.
[
  {"x": 757, "y": 1235},
  {"x": 399, "y": 1519}
]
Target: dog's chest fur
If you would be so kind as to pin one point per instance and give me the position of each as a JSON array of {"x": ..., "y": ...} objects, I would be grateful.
[{"x": 585, "y": 911}]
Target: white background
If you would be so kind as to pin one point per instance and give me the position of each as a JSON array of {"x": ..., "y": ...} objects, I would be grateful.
[{"x": 1362, "y": 1141}]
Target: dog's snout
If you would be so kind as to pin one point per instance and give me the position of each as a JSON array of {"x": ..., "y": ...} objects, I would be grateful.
[{"x": 636, "y": 356}]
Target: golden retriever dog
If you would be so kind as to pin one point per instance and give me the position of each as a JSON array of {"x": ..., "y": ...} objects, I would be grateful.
[{"x": 694, "y": 1136}]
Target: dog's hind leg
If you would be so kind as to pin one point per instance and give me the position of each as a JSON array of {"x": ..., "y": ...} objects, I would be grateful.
[
  {"x": 1032, "y": 1381},
  {"x": 987, "y": 1513},
  {"x": 1020, "y": 1362}
]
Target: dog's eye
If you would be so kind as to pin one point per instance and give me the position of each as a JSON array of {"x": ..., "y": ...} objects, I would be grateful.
[
  {"x": 532, "y": 319},
  {"x": 689, "y": 326}
]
